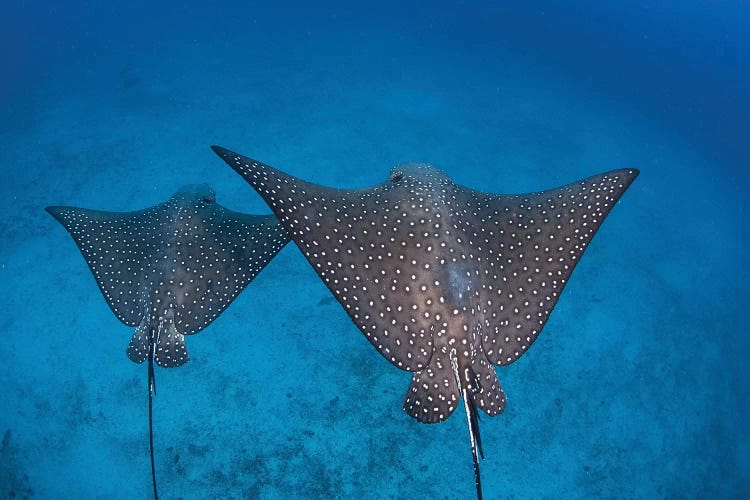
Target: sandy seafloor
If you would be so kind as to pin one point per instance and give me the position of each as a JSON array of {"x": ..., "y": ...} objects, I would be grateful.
[{"x": 637, "y": 387}]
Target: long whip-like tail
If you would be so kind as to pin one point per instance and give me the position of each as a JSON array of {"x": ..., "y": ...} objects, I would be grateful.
[
  {"x": 151, "y": 393},
  {"x": 472, "y": 418}
]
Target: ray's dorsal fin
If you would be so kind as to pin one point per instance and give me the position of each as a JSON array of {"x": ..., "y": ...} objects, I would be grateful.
[{"x": 443, "y": 280}]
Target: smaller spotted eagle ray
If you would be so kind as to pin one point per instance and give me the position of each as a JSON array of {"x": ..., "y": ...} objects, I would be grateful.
[
  {"x": 171, "y": 269},
  {"x": 443, "y": 280}
]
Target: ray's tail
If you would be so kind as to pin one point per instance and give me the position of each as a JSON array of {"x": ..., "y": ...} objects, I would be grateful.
[
  {"x": 472, "y": 418},
  {"x": 151, "y": 393}
]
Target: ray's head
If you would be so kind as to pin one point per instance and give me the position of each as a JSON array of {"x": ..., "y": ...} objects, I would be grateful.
[
  {"x": 198, "y": 193},
  {"x": 417, "y": 172}
]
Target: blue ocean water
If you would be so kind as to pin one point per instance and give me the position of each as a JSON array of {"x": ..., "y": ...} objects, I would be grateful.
[{"x": 636, "y": 388}]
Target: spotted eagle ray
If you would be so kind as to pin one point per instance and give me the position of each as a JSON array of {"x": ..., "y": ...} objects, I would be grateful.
[
  {"x": 443, "y": 280},
  {"x": 170, "y": 270}
]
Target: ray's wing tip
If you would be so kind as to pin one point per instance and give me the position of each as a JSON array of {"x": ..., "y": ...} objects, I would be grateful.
[
  {"x": 230, "y": 157},
  {"x": 55, "y": 209},
  {"x": 628, "y": 174},
  {"x": 234, "y": 160},
  {"x": 622, "y": 177},
  {"x": 239, "y": 163},
  {"x": 56, "y": 212},
  {"x": 221, "y": 151},
  {"x": 631, "y": 173}
]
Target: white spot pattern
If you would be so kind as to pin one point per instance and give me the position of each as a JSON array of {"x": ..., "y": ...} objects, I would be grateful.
[
  {"x": 425, "y": 267},
  {"x": 172, "y": 268}
]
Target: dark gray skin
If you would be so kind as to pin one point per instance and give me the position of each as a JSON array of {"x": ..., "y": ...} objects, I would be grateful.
[
  {"x": 443, "y": 280},
  {"x": 173, "y": 268},
  {"x": 170, "y": 270}
]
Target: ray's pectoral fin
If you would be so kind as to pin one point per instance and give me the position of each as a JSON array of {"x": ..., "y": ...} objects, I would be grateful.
[{"x": 170, "y": 344}]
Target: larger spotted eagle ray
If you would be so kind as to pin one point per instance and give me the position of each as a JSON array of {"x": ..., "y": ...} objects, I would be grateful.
[
  {"x": 443, "y": 280},
  {"x": 171, "y": 269}
]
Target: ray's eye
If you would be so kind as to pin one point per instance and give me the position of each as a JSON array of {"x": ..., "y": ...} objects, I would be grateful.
[
  {"x": 397, "y": 176},
  {"x": 209, "y": 199}
]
